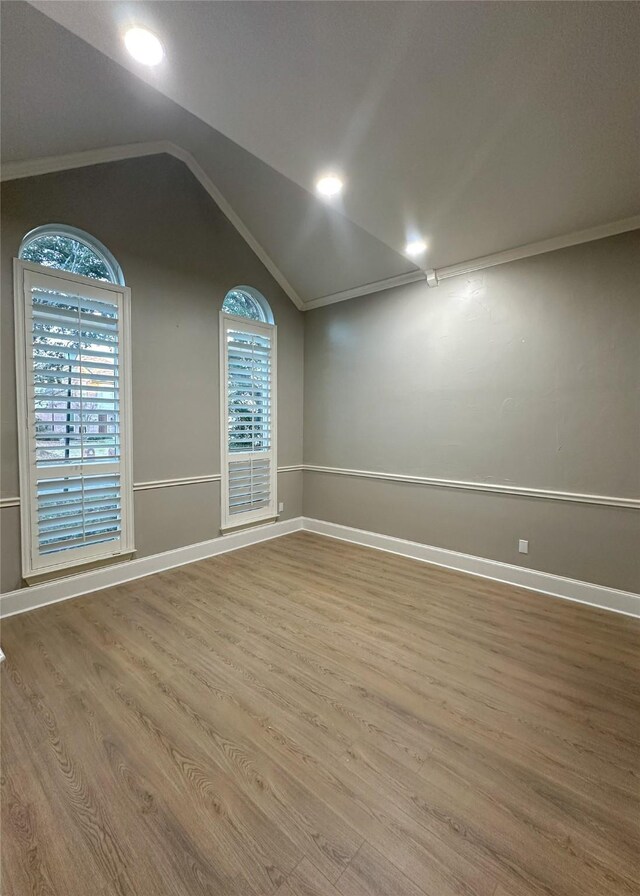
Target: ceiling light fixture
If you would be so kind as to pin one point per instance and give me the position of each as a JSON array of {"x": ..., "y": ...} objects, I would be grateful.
[
  {"x": 144, "y": 46},
  {"x": 415, "y": 247},
  {"x": 329, "y": 185}
]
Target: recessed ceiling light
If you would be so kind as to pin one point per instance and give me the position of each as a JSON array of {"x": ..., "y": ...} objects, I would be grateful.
[
  {"x": 415, "y": 247},
  {"x": 144, "y": 46},
  {"x": 329, "y": 185}
]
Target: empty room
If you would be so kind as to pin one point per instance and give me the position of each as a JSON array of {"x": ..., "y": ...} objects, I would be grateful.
[{"x": 320, "y": 448}]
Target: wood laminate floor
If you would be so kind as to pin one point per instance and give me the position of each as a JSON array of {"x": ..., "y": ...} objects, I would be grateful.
[{"x": 310, "y": 718}]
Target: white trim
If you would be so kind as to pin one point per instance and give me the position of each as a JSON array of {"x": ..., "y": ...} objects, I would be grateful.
[
  {"x": 24, "y": 599},
  {"x": 434, "y": 276},
  {"x": 270, "y": 332},
  {"x": 9, "y": 502},
  {"x": 170, "y": 483},
  {"x": 365, "y": 290},
  {"x": 83, "y": 159},
  {"x": 551, "y": 245},
  {"x": 497, "y": 488},
  {"x": 51, "y": 164},
  {"x": 625, "y": 602},
  {"x": 25, "y": 275},
  {"x": 78, "y": 236},
  {"x": 166, "y": 483}
]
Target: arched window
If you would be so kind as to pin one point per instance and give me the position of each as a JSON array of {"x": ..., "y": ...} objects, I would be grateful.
[
  {"x": 74, "y": 383},
  {"x": 244, "y": 301},
  {"x": 247, "y": 408},
  {"x": 72, "y": 250}
]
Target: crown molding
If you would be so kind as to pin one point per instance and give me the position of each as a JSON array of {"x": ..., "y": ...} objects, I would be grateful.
[
  {"x": 51, "y": 164},
  {"x": 35, "y": 167},
  {"x": 530, "y": 249},
  {"x": 434, "y": 276},
  {"x": 366, "y": 289}
]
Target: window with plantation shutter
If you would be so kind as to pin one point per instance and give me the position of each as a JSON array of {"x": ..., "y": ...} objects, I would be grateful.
[
  {"x": 248, "y": 378},
  {"x": 74, "y": 418}
]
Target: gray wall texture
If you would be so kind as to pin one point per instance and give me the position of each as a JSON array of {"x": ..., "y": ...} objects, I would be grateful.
[
  {"x": 180, "y": 256},
  {"x": 526, "y": 374}
]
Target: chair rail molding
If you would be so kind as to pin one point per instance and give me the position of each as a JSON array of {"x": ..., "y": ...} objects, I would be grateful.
[
  {"x": 166, "y": 483},
  {"x": 492, "y": 487}
]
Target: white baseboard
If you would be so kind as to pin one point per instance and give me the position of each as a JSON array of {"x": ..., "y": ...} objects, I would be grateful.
[
  {"x": 625, "y": 602},
  {"x": 41, "y": 595},
  {"x": 35, "y": 596}
]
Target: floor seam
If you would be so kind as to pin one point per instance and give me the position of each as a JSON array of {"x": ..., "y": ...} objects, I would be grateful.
[{"x": 348, "y": 865}]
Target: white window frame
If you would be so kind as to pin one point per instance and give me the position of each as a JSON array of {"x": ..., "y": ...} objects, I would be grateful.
[
  {"x": 79, "y": 236},
  {"x": 234, "y": 521},
  {"x": 34, "y": 567}
]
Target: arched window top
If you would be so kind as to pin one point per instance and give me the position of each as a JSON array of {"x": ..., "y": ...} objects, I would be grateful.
[
  {"x": 245, "y": 301},
  {"x": 69, "y": 249}
]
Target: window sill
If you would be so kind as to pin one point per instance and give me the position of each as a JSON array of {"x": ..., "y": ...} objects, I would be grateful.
[
  {"x": 251, "y": 524},
  {"x": 36, "y": 578}
]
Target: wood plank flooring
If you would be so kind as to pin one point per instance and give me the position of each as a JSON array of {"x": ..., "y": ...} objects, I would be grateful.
[{"x": 306, "y": 717}]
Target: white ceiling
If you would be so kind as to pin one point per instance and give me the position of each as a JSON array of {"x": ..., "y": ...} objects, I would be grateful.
[
  {"x": 59, "y": 95},
  {"x": 480, "y": 125}
]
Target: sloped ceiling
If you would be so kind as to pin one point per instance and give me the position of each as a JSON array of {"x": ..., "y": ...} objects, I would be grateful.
[
  {"x": 482, "y": 126},
  {"x": 60, "y": 95}
]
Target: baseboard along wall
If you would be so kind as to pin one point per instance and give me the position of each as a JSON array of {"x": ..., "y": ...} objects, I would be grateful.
[{"x": 35, "y": 596}]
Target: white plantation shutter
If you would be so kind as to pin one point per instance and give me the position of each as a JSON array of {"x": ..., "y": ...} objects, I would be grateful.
[
  {"x": 248, "y": 377},
  {"x": 73, "y": 397}
]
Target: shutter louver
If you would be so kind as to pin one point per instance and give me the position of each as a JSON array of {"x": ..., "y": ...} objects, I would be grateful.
[
  {"x": 79, "y": 501},
  {"x": 248, "y": 416}
]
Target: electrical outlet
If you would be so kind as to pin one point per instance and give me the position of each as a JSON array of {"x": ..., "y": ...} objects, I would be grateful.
[
  {"x": 280, "y": 506},
  {"x": 523, "y": 546}
]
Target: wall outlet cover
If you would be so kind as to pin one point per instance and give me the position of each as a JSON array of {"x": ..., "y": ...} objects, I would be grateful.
[{"x": 523, "y": 546}]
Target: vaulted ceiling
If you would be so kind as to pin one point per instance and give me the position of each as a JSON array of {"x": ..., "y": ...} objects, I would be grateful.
[{"x": 481, "y": 126}]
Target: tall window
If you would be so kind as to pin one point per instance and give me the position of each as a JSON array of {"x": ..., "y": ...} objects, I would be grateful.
[
  {"x": 248, "y": 408},
  {"x": 73, "y": 375}
]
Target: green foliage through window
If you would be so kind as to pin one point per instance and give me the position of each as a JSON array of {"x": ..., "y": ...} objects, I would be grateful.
[
  {"x": 66, "y": 254},
  {"x": 242, "y": 305}
]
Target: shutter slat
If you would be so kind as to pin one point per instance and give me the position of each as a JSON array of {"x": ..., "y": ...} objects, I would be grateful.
[
  {"x": 74, "y": 510},
  {"x": 249, "y": 379},
  {"x": 75, "y": 375},
  {"x": 70, "y": 342}
]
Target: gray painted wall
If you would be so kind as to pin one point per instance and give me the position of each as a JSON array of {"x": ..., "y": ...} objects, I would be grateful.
[
  {"x": 180, "y": 256},
  {"x": 526, "y": 374}
]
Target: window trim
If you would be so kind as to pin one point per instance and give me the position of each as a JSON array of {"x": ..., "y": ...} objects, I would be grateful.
[
  {"x": 228, "y": 521},
  {"x": 255, "y": 296},
  {"x": 80, "y": 236},
  {"x": 28, "y": 516}
]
